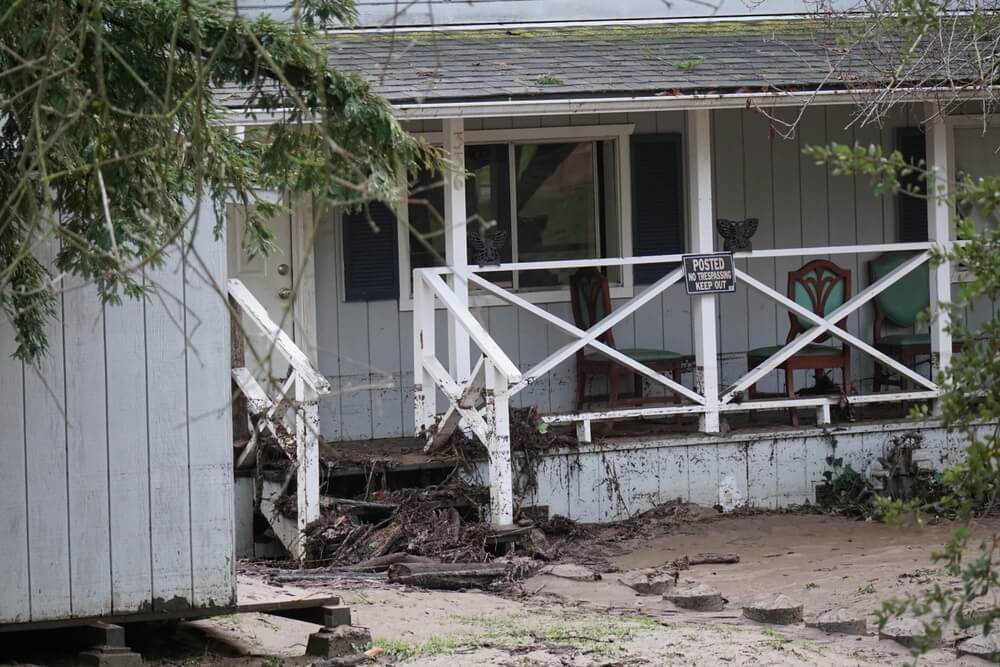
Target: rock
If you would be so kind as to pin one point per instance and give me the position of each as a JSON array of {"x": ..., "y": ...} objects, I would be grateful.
[
  {"x": 571, "y": 571},
  {"x": 778, "y": 610},
  {"x": 698, "y": 597},
  {"x": 840, "y": 621},
  {"x": 649, "y": 581},
  {"x": 907, "y": 631},
  {"x": 986, "y": 647}
]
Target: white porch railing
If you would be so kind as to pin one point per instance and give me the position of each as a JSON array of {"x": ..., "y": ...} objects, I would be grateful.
[
  {"x": 482, "y": 399},
  {"x": 290, "y": 414}
]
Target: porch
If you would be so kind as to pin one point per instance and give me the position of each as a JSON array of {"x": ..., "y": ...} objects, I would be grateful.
[{"x": 465, "y": 375}]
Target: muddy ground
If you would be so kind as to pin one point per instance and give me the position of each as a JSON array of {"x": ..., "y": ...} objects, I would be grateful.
[{"x": 824, "y": 562}]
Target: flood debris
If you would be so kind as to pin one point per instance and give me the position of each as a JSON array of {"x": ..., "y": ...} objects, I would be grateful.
[
  {"x": 774, "y": 610},
  {"x": 448, "y": 576},
  {"x": 696, "y": 597}
]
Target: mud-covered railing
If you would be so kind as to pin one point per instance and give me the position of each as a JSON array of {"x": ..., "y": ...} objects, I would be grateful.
[
  {"x": 289, "y": 414},
  {"x": 467, "y": 399}
]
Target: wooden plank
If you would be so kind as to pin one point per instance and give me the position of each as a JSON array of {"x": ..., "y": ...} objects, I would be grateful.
[
  {"x": 209, "y": 427},
  {"x": 761, "y": 311},
  {"x": 729, "y": 193},
  {"x": 386, "y": 366},
  {"x": 170, "y": 510},
  {"x": 329, "y": 271},
  {"x": 844, "y": 224},
  {"x": 14, "y": 571},
  {"x": 47, "y": 473},
  {"x": 254, "y": 312},
  {"x": 128, "y": 457},
  {"x": 87, "y": 449}
]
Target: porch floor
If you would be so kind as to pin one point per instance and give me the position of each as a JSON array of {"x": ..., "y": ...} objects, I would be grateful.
[{"x": 368, "y": 457}]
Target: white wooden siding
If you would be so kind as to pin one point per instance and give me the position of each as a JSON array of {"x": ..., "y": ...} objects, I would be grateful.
[
  {"x": 116, "y": 491},
  {"x": 757, "y": 173}
]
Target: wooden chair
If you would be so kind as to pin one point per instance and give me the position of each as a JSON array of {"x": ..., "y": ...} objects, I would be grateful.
[
  {"x": 899, "y": 306},
  {"x": 822, "y": 287},
  {"x": 591, "y": 299}
]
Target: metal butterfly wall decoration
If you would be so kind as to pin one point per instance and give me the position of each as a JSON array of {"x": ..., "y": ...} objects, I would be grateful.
[
  {"x": 736, "y": 233},
  {"x": 488, "y": 246}
]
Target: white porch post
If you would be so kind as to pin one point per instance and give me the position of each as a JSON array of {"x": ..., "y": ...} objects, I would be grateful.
[
  {"x": 424, "y": 344},
  {"x": 498, "y": 445},
  {"x": 455, "y": 244},
  {"x": 702, "y": 235},
  {"x": 307, "y": 452},
  {"x": 938, "y": 231}
]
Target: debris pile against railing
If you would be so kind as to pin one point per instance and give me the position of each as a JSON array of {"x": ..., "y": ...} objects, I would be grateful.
[{"x": 288, "y": 417}]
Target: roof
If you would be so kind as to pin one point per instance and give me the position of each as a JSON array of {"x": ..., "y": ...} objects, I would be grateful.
[{"x": 598, "y": 60}]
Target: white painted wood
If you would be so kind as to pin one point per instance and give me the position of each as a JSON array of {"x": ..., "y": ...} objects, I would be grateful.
[
  {"x": 498, "y": 445},
  {"x": 128, "y": 456},
  {"x": 823, "y": 414},
  {"x": 828, "y": 325},
  {"x": 455, "y": 240},
  {"x": 258, "y": 402},
  {"x": 170, "y": 508},
  {"x": 281, "y": 341},
  {"x": 305, "y": 226},
  {"x": 14, "y": 571},
  {"x": 87, "y": 449},
  {"x": 939, "y": 232},
  {"x": 588, "y": 337},
  {"x": 468, "y": 398},
  {"x": 46, "y": 469},
  {"x": 424, "y": 342},
  {"x": 701, "y": 239},
  {"x": 307, "y": 438},
  {"x": 210, "y": 420},
  {"x": 472, "y": 326}
]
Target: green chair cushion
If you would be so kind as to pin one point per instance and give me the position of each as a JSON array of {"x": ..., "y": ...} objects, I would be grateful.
[
  {"x": 642, "y": 354},
  {"x": 905, "y": 339},
  {"x": 812, "y": 350},
  {"x": 902, "y": 301}
]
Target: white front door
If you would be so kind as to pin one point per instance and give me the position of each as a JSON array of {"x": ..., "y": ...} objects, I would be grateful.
[{"x": 270, "y": 279}]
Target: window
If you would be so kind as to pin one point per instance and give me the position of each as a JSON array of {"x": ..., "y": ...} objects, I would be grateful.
[
  {"x": 563, "y": 205},
  {"x": 911, "y": 209}
]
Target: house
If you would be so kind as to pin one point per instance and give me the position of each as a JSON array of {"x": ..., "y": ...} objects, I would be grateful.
[
  {"x": 608, "y": 138},
  {"x": 601, "y": 141}
]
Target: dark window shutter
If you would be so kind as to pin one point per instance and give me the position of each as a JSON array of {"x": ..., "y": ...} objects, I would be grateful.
[
  {"x": 657, "y": 202},
  {"x": 911, "y": 211},
  {"x": 371, "y": 256}
]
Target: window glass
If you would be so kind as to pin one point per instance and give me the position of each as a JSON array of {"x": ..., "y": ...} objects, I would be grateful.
[
  {"x": 556, "y": 207},
  {"x": 426, "y": 212}
]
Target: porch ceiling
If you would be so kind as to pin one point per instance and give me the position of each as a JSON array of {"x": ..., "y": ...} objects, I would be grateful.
[{"x": 621, "y": 60}]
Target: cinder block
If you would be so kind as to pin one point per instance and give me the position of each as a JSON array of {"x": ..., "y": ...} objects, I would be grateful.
[
  {"x": 336, "y": 616},
  {"x": 340, "y": 642},
  {"x": 109, "y": 656}
]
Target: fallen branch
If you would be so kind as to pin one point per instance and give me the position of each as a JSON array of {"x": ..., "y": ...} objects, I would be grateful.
[
  {"x": 447, "y": 576},
  {"x": 713, "y": 559}
]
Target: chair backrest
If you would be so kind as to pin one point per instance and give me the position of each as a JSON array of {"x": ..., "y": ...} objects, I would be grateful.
[
  {"x": 822, "y": 287},
  {"x": 591, "y": 300},
  {"x": 904, "y": 300}
]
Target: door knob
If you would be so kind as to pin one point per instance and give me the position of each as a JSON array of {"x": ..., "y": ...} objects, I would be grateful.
[
  {"x": 282, "y": 269},
  {"x": 284, "y": 293}
]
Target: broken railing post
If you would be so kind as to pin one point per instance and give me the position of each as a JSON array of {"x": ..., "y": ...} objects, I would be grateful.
[
  {"x": 497, "y": 393},
  {"x": 424, "y": 341},
  {"x": 307, "y": 455},
  {"x": 702, "y": 234},
  {"x": 939, "y": 232}
]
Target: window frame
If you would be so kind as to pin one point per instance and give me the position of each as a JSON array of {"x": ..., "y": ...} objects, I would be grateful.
[{"x": 619, "y": 133}]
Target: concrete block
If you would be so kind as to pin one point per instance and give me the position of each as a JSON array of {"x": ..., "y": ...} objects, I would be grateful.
[
  {"x": 339, "y": 642},
  {"x": 840, "y": 621},
  {"x": 986, "y": 647},
  {"x": 777, "y": 610},
  {"x": 335, "y": 616},
  {"x": 698, "y": 597},
  {"x": 649, "y": 581},
  {"x": 109, "y": 656},
  {"x": 906, "y": 631}
]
